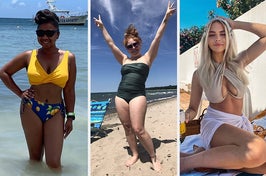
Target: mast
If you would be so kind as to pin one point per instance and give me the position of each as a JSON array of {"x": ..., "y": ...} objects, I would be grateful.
[{"x": 50, "y": 4}]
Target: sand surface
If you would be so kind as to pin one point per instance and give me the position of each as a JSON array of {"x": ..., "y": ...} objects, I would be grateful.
[{"x": 108, "y": 154}]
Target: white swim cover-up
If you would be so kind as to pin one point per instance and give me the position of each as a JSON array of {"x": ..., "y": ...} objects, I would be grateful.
[{"x": 213, "y": 119}]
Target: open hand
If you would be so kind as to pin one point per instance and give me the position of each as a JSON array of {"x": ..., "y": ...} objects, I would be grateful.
[
  {"x": 68, "y": 127},
  {"x": 98, "y": 22},
  {"x": 170, "y": 9}
]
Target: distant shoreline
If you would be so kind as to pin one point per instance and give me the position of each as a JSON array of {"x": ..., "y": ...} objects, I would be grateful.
[
  {"x": 174, "y": 87},
  {"x": 110, "y": 113}
]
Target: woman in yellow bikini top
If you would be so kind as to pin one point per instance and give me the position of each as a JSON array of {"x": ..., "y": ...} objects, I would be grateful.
[
  {"x": 51, "y": 96},
  {"x": 37, "y": 75}
]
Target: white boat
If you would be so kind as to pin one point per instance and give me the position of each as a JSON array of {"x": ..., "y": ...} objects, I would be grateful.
[{"x": 67, "y": 18}]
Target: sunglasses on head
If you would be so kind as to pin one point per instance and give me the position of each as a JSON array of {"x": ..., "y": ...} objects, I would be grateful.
[
  {"x": 48, "y": 33},
  {"x": 130, "y": 46}
]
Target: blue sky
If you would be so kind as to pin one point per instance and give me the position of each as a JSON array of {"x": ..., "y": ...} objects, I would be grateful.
[
  {"x": 195, "y": 12},
  {"x": 146, "y": 16},
  {"x": 28, "y": 8}
]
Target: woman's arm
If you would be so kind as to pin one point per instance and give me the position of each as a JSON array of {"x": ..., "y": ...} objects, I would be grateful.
[
  {"x": 119, "y": 55},
  {"x": 153, "y": 50},
  {"x": 13, "y": 66},
  {"x": 195, "y": 97},
  {"x": 259, "y": 46},
  {"x": 69, "y": 92}
]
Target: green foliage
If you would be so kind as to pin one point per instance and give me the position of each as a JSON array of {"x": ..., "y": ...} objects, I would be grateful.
[
  {"x": 190, "y": 37},
  {"x": 235, "y": 8}
]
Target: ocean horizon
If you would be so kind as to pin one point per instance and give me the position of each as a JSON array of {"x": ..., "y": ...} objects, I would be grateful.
[{"x": 152, "y": 94}]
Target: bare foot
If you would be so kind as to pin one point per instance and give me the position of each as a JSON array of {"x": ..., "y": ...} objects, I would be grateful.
[
  {"x": 132, "y": 160},
  {"x": 156, "y": 164}
]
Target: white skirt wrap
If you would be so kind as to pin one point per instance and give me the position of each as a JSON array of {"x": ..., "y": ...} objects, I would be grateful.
[{"x": 213, "y": 119}]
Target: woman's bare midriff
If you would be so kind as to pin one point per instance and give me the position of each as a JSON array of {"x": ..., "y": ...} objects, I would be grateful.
[
  {"x": 47, "y": 93},
  {"x": 230, "y": 105}
]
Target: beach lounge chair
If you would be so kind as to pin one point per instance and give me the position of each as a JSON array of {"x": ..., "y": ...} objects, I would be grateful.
[{"x": 97, "y": 113}]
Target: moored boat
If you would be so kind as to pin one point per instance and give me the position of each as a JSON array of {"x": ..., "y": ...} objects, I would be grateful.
[{"x": 67, "y": 18}]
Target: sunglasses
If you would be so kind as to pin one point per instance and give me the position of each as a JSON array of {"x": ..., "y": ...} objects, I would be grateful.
[
  {"x": 48, "y": 33},
  {"x": 130, "y": 46}
]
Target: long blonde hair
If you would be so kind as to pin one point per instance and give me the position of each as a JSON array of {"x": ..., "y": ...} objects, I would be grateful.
[{"x": 207, "y": 64}]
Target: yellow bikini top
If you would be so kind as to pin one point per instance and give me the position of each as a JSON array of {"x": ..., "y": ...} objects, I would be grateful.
[{"x": 37, "y": 75}]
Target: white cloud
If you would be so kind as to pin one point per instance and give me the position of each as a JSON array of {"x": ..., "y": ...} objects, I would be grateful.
[
  {"x": 18, "y": 3},
  {"x": 22, "y": 4},
  {"x": 108, "y": 7},
  {"x": 149, "y": 8},
  {"x": 14, "y": 1},
  {"x": 146, "y": 15}
]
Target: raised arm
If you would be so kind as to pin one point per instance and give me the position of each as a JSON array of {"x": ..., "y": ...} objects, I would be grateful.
[
  {"x": 119, "y": 55},
  {"x": 153, "y": 50},
  {"x": 195, "y": 98},
  {"x": 259, "y": 46}
]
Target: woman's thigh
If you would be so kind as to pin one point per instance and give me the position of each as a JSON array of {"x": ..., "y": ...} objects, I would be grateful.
[
  {"x": 137, "y": 109},
  {"x": 122, "y": 108},
  {"x": 230, "y": 135},
  {"x": 54, "y": 137},
  {"x": 33, "y": 130}
]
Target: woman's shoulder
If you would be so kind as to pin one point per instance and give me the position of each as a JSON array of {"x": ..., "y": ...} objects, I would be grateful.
[
  {"x": 25, "y": 54},
  {"x": 70, "y": 54},
  {"x": 196, "y": 72},
  {"x": 71, "y": 57}
]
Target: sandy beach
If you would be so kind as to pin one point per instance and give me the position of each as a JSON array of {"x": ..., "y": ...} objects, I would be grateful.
[{"x": 108, "y": 154}]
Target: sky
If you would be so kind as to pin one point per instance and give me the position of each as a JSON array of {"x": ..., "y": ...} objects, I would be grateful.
[
  {"x": 195, "y": 12},
  {"x": 146, "y": 16},
  {"x": 28, "y": 8}
]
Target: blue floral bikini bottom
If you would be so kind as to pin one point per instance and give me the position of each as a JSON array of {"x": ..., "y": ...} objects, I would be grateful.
[{"x": 43, "y": 110}]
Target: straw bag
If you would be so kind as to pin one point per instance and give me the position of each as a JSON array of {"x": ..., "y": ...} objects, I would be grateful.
[
  {"x": 259, "y": 130},
  {"x": 193, "y": 126}
]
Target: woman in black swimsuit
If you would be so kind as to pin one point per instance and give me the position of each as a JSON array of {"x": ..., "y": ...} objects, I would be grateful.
[{"x": 131, "y": 101}]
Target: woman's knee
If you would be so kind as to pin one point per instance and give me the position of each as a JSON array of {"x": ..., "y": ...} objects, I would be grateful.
[
  {"x": 128, "y": 128},
  {"x": 35, "y": 157},
  {"x": 255, "y": 152},
  {"x": 139, "y": 131},
  {"x": 36, "y": 154},
  {"x": 53, "y": 163}
]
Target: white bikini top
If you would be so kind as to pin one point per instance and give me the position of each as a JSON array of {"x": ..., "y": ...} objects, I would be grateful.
[{"x": 214, "y": 91}]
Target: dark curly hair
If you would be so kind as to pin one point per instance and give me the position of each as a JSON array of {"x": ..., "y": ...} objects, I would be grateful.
[
  {"x": 131, "y": 32},
  {"x": 46, "y": 16}
]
